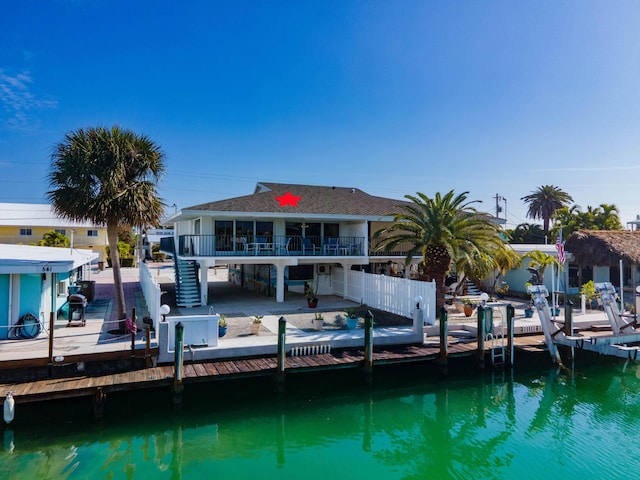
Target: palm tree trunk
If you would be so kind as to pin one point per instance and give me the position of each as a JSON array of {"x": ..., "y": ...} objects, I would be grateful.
[{"x": 121, "y": 308}]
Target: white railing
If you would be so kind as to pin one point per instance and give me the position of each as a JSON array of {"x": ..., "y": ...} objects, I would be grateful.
[
  {"x": 391, "y": 294},
  {"x": 151, "y": 291}
]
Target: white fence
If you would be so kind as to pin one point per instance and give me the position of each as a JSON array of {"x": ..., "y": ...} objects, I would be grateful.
[
  {"x": 391, "y": 294},
  {"x": 151, "y": 292}
]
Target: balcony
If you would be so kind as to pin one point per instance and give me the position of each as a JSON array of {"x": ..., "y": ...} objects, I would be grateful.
[{"x": 270, "y": 246}]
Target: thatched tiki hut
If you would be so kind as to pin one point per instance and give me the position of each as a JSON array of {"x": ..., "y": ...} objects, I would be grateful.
[{"x": 609, "y": 252}]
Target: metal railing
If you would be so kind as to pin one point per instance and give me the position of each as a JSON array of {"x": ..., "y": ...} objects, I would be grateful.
[{"x": 267, "y": 245}]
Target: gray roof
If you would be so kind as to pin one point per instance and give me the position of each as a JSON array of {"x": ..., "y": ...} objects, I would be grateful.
[{"x": 313, "y": 200}]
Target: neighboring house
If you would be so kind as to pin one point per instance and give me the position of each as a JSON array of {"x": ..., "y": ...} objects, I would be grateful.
[
  {"x": 26, "y": 224},
  {"x": 607, "y": 256},
  {"x": 282, "y": 234},
  {"x": 35, "y": 280},
  {"x": 518, "y": 277}
]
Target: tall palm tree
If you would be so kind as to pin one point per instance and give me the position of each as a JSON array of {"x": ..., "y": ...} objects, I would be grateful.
[
  {"x": 107, "y": 176},
  {"x": 544, "y": 202},
  {"x": 440, "y": 229}
]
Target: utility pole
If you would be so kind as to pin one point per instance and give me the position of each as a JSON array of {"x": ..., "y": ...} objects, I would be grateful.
[{"x": 499, "y": 208}]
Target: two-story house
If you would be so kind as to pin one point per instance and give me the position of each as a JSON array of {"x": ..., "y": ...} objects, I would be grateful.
[
  {"x": 27, "y": 223},
  {"x": 280, "y": 237}
]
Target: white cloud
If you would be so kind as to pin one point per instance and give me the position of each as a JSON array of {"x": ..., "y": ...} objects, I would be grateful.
[{"x": 19, "y": 102}]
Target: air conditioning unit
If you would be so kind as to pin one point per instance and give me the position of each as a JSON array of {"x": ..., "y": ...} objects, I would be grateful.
[{"x": 324, "y": 269}]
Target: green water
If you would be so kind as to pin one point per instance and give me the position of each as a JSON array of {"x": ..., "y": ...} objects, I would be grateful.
[{"x": 411, "y": 425}]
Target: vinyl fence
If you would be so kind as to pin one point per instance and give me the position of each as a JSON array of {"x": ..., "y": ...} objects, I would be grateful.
[
  {"x": 151, "y": 292},
  {"x": 391, "y": 294}
]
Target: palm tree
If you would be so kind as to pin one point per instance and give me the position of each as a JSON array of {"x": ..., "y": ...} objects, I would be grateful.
[
  {"x": 544, "y": 202},
  {"x": 440, "y": 229},
  {"x": 107, "y": 176},
  {"x": 540, "y": 261}
]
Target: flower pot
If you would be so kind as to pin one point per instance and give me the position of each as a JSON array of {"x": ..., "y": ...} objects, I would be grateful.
[
  {"x": 352, "y": 322},
  {"x": 312, "y": 302},
  {"x": 468, "y": 310},
  {"x": 528, "y": 312},
  {"x": 222, "y": 331},
  {"x": 255, "y": 328},
  {"x": 318, "y": 324}
]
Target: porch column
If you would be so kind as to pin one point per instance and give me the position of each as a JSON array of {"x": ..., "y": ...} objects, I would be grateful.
[
  {"x": 204, "y": 281},
  {"x": 280, "y": 266}
]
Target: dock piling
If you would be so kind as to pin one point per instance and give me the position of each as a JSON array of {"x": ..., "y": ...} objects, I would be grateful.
[
  {"x": 368, "y": 347},
  {"x": 443, "y": 355},
  {"x": 510, "y": 314},
  {"x": 282, "y": 354},
  {"x": 481, "y": 336},
  {"x": 178, "y": 387}
]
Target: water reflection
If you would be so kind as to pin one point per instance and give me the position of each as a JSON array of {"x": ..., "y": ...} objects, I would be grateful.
[{"x": 485, "y": 427}]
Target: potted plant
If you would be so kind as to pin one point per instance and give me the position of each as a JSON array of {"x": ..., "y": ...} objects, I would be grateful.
[
  {"x": 502, "y": 290},
  {"x": 528, "y": 311},
  {"x": 311, "y": 292},
  {"x": 318, "y": 321},
  {"x": 255, "y": 324},
  {"x": 351, "y": 317},
  {"x": 222, "y": 326},
  {"x": 468, "y": 307}
]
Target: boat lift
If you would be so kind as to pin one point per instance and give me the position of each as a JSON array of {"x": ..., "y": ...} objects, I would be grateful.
[{"x": 624, "y": 341}]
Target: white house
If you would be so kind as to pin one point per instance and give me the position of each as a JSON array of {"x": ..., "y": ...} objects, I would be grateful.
[{"x": 280, "y": 237}]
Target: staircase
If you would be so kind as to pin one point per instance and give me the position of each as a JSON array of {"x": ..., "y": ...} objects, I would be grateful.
[
  {"x": 471, "y": 288},
  {"x": 187, "y": 285}
]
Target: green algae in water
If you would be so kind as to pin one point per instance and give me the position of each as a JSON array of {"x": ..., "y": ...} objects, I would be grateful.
[{"x": 559, "y": 424}]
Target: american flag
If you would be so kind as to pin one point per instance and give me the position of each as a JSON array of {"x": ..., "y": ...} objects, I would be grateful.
[{"x": 560, "y": 248}]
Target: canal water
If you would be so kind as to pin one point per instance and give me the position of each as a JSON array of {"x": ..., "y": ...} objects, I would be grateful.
[{"x": 576, "y": 423}]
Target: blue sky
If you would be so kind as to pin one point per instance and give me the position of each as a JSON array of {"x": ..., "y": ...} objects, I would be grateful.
[{"x": 393, "y": 97}]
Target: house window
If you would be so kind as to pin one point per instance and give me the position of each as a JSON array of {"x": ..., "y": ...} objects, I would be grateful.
[
  {"x": 61, "y": 231},
  {"x": 61, "y": 288},
  {"x": 264, "y": 229},
  {"x": 26, "y": 232},
  {"x": 244, "y": 228},
  {"x": 92, "y": 233},
  {"x": 332, "y": 230}
]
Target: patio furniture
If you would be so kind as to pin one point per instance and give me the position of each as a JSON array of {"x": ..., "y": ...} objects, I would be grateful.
[
  {"x": 331, "y": 247},
  {"x": 308, "y": 246},
  {"x": 283, "y": 249}
]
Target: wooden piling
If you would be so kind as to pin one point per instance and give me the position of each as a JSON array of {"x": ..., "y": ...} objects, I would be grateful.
[
  {"x": 481, "y": 336},
  {"x": 510, "y": 315},
  {"x": 99, "y": 399},
  {"x": 178, "y": 387},
  {"x": 282, "y": 354},
  {"x": 443, "y": 355},
  {"x": 51, "y": 329},
  {"x": 368, "y": 347}
]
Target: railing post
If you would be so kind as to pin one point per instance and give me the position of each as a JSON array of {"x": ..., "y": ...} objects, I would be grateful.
[
  {"x": 368, "y": 347},
  {"x": 443, "y": 356},
  {"x": 510, "y": 315},
  {"x": 282, "y": 352},
  {"x": 481, "y": 336},
  {"x": 178, "y": 387}
]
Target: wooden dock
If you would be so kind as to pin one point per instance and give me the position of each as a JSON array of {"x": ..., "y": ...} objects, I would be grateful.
[{"x": 220, "y": 370}]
